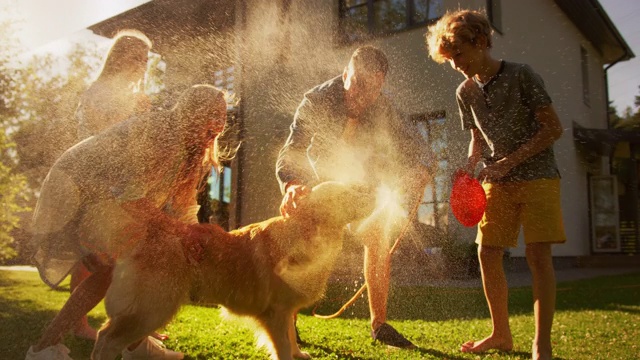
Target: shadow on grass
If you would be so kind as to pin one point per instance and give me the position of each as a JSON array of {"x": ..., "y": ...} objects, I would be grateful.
[
  {"x": 439, "y": 354},
  {"x": 23, "y": 321},
  {"x": 328, "y": 350},
  {"x": 618, "y": 292}
]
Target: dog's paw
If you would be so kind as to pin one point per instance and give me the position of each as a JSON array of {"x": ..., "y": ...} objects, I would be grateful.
[{"x": 301, "y": 355}]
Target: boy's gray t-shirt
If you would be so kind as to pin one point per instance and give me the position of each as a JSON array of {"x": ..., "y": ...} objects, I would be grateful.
[{"x": 512, "y": 97}]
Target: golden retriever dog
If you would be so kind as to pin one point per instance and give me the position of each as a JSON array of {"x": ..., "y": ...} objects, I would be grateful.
[{"x": 266, "y": 271}]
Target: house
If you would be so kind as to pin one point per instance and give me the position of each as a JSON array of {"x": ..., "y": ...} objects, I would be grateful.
[{"x": 270, "y": 52}]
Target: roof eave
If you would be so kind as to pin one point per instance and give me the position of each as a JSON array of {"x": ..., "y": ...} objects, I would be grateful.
[{"x": 594, "y": 23}]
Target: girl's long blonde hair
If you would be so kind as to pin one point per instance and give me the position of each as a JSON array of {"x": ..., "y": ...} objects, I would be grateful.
[{"x": 125, "y": 42}]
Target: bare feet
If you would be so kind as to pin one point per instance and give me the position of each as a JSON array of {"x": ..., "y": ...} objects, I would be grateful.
[
  {"x": 487, "y": 344},
  {"x": 540, "y": 352}
]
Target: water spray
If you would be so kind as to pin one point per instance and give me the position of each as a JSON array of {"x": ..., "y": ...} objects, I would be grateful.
[{"x": 405, "y": 228}]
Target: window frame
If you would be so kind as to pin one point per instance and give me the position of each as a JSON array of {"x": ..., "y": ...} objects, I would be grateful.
[
  {"x": 427, "y": 118},
  {"x": 584, "y": 69},
  {"x": 495, "y": 17}
]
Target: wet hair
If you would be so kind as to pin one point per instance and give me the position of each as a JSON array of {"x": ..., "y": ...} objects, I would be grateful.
[
  {"x": 201, "y": 96},
  {"x": 371, "y": 58},
  {"x": 190, "y": 105},
  {"x": 455, "y": 28},
  {"x": 125, "y": 42}
]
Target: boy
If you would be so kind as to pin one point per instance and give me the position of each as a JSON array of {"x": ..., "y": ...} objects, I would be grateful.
[{"x": 513, "y": 127}]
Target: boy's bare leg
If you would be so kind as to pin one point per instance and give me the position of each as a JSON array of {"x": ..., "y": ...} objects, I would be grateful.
[
  {"x": 84, "y": 298},
  {"x": 496, "y": 291},
  {"x": 544, "y": 297},
  {"x": 82, "y": 329},
  {"x": 377, "y": 278}
]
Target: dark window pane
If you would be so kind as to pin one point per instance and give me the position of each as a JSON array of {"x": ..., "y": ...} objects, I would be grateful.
[
  {"x": 436, "y": 9},
  {"x": 495, "y": 13},
  {"x": 350, "y": 3},
  {"x": 355, "y": 23},
  {"x": 390, "y": 15},
  {"x": 424, "y": 10}
]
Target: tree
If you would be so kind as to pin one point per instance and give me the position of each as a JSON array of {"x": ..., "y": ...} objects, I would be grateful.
[
  {"x": 614, "y": 118},
  {"x": 46, "y": 100},
  {"x": 630, "y": 120},
  {"x": 38, "y": 124},
  {"x": 13, "y": 194}
]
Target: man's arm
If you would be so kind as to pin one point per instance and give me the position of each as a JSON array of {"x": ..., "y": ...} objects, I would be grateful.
[
  {"x": 293, "y": 165},
  {"x": 293, "y": 169}
]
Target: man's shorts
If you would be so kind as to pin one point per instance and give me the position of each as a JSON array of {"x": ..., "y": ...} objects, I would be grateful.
[{"x": 534, "y": 205}]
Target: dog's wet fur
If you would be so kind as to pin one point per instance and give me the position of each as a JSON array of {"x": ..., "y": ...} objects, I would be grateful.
[{"x": 266, "y": 271}]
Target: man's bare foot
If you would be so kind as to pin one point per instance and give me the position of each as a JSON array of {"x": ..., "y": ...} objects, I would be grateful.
[
  {"x": 85, "y": 331},
  {"x": 540, "y": 352},
  {"x": 487, "y": 344}
]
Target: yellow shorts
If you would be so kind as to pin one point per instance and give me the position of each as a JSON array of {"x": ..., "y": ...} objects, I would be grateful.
[{"x": 534, "y": 205}]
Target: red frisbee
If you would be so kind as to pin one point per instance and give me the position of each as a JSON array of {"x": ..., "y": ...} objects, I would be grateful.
[{"x": 468, "y": 200}]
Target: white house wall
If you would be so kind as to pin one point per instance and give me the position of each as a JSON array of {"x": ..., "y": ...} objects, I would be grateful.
[{"x": 534, "y": 31}]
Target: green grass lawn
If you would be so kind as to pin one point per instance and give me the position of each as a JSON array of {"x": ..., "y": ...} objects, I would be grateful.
[{"x": 596, "y": 319}]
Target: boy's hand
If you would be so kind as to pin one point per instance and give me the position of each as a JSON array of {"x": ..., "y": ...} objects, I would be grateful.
[
  {"x": 460, "y": 172},
  {"x": 497, "y": 170}
]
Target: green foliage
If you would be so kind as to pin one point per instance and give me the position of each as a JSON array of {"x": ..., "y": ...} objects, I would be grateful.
[
  {"x": 45, "y": 102},
  {"x": 38, "y": 98},
  {"x": 13, "y": 199},
  {"x": 595, "y": 319},
  {"x": 629, "y": 120},
  {"x": 13, "y": 195}
]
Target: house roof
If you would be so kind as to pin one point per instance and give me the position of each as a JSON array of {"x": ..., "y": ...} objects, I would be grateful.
[
  {"x": 159, "y": 19},
  {"x": 594, "y": 23},
  {"x": 603, "y": 141},
  {"x": 194, "y": 16}
]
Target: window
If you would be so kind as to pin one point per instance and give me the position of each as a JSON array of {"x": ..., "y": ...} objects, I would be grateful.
[
  {"x": 216, "y": 198},
  {"x": 434, "y": 208},
  {"x": 225, "y": 79},
  {"x": 584, "y": 64},
  {"x": 364, "y": 18},
  {"x": 494, "y": 10},
  {"x": 216, "y": 195}
]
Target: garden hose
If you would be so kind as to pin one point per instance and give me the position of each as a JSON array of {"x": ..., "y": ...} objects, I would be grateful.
[{"x": 353, "y": 299}]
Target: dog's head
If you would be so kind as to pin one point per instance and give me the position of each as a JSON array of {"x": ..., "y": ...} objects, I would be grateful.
[{"x": 337, "y": 204}]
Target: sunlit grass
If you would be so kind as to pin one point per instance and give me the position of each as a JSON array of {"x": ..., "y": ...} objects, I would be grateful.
[{"x": 596, "y": 319}]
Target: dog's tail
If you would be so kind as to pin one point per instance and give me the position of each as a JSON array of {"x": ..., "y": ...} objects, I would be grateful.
[{"x": 355, "y": 297}]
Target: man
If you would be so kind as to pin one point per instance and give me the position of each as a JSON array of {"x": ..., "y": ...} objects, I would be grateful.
[{"x": 345, "y": 129}]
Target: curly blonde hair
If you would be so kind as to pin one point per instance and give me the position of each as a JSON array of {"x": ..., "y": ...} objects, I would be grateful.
[{"x": 455, "y": 28}]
